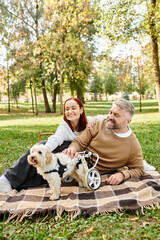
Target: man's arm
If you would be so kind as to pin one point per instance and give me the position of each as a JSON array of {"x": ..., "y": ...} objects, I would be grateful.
[
  {"x": 82, "y": 142},
  {"x": 135, "y": 163},
  {"x": 79, "y": 144},
  {"x": 133, "y": 168}
]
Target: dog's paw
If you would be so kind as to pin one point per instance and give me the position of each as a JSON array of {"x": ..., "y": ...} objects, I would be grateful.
[
  {"x": 54, "y": 197},
  {"x": 50, "y": 191},
  {"x": 81, "y": 184}
]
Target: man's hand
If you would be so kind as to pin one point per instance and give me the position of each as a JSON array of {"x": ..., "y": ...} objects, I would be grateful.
[
  {"x": 115, "y": 179},
  {"x": 71, "y": 151}
]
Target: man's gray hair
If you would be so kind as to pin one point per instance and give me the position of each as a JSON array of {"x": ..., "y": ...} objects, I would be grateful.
[{"x": 126, "y": 105}]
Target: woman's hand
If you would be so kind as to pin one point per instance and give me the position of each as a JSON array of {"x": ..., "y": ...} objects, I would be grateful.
[
  {"x": 71, "y": 152},
  {"x": 91, "y": 123}
]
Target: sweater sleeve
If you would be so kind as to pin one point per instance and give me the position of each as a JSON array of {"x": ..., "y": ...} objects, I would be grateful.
[
  {"x": 63, "y": 133},
  {"x": 82, "y": 142},
  {"x": 97, "y": 117},
  {"x": 135, "y": 163}
]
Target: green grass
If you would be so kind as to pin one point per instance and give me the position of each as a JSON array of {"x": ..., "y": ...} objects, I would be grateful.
[{"x": 20, "y": 130}]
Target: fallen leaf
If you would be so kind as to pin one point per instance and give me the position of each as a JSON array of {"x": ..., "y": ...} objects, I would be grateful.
[
  {"x": 90, "y": 230},
  {"x": 134, "y": 219},
  {"x": 145, "y": 223}
]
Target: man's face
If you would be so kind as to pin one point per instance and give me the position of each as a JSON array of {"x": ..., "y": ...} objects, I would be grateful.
[{"x": 117, "y": 119}]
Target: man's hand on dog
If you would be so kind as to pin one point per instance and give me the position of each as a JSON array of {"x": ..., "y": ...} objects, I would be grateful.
[
  {"x": 115, "y": 179},
  {"x": 71, "y": 152}
]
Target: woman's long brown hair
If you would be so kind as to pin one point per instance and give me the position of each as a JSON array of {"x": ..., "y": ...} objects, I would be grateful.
[{"x": 82, "y": 120}]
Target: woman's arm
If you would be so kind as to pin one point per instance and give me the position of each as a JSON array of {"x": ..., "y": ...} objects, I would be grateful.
[{"x": 63, "y": 133}]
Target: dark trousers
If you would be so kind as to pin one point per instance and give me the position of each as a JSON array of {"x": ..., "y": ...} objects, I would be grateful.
[{"x": 22, "y": 175}]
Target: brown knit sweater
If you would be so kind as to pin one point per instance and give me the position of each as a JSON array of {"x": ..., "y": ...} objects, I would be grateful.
[{"x": 114, "y": 152}]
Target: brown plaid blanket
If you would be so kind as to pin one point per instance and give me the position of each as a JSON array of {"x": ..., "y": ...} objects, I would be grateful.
[{"x": 133, "y": 194}]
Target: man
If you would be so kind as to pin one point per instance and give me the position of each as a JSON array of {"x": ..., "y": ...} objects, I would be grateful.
[{"x": 118, "y": 148}]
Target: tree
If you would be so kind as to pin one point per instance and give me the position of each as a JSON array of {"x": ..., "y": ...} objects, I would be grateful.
[
  {"x": 26, "y": 68},
  {"x": 16, "y": 89},
  {"x": 73, "y": 23},
  {"x": 5, "y": 37},
  {"x": 56, "y": 37},
  {"x": 79, "y": 62},
  {"x": 110, "y": 84},
  {"x": 107, "y": 72},
  {"x": 2, "y": 82},
  {"x": 124, "y": 20},
  {"x": 26, "y": 15},
  {"x": 124, "y": 71},
  {"x": 148, "y": 72},
  {"x": 96, "y": 85}
]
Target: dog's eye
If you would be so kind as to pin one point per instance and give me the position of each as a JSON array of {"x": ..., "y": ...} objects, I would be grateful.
[{"x": 40, "y": 152}]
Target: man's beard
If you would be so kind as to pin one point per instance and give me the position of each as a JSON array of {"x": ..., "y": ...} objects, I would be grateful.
[{"x": 114, "y": 126}]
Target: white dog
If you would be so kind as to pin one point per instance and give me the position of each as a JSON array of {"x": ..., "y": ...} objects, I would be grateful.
[{"x": 54, "y": 167}]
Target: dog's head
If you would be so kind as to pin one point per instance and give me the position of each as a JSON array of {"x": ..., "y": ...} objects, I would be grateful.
[{"x": 40, "y": 155}]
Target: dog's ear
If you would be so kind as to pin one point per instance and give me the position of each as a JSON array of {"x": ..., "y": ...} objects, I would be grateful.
[
  {"x": 48, "y": 157},
  {"x": 34, "y": 146}
]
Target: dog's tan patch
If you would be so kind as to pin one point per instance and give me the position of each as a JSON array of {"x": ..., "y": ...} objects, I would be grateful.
[{"x": 48, "y": 157}]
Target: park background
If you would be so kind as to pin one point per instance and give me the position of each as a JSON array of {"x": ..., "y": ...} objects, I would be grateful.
[{"x": 95, "y": 50}]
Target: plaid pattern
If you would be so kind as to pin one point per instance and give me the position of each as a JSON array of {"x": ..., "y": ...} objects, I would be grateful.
[{"x": 133, "y": 194}]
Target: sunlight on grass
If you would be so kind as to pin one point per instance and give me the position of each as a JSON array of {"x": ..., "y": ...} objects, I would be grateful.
[
  {"x": 146, "y": 117},
  {"x": 32, "y": 121}
]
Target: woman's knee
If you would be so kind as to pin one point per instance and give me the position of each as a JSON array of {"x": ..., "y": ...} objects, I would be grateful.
[{"x": 43, "y": 142}]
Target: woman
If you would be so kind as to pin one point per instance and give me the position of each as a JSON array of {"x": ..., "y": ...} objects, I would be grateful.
[{"x": 22, "y": 175}]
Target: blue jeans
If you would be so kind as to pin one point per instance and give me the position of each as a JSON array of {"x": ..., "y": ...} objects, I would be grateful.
[{"x": 22, "y": 175}]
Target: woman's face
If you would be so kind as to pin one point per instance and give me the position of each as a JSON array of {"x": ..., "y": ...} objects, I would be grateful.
[{"x": 73, "y": 111}]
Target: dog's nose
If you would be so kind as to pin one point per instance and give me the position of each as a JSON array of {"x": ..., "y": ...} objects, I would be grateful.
[{"x": 32, "y": 157}]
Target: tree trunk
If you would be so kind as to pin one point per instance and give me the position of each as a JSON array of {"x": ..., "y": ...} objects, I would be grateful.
[
  {"x": 46, "y": 103},
  {"x": 154, "y": 39},
  {"x": 47, "y": 107},
  {"x": 140, "y": 87},
  {"x": 61, "y": 90},
  {"x": 95, "y": 96},
  {"x": 32, "y": 99},
  {"x": 35, "y": 95},
  {"x": 8, "y": 86},
  {"x": 156, "y": 68},
  {"x": 54, "y": 98},
  {"x": 80, "y": 95}
]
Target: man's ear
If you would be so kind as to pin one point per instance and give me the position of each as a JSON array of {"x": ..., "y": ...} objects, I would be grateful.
[
  {"x": 128, "y": 121},
  {"x": 48, "y": 157}
]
